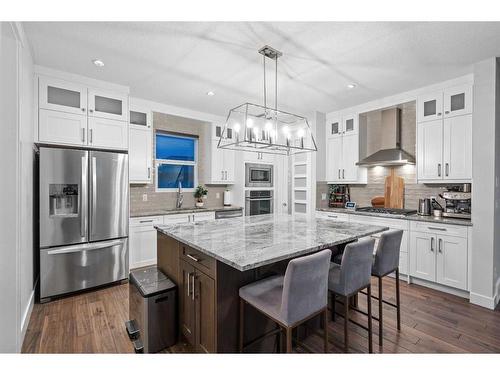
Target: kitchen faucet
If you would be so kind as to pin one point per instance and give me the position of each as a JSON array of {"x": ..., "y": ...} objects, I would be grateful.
[{"x": 180, "y": 197}]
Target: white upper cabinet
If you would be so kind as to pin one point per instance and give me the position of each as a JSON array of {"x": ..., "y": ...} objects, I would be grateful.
[
  {"x": 444, "y": 135},
  {"x": 430, "y": 107},
  {"x": 457, "y": 148},
  {"x": 221, "y": 162},
  {"x": 342, "y": 150},
  {"x": 62, "y": 128},
  {"x": 59, "y": 95},
  {"x": 227, "y": 137},
  {"x": 430, "y": 150},
  {"x": 107, "y": 134},
  {"x": 457, "y": 101},
  {"x": 108, "y": 105},
  {"x": 140, "y": 144},
  {"x": 453, "y": 101},
  {"x": 72, "y": 114}
]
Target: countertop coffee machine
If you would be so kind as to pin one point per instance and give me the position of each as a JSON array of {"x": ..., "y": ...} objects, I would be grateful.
[{"x": 458, "y": 201}]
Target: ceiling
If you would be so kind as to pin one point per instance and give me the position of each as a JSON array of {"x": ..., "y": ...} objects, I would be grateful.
[{"x": 177, "y": 63}]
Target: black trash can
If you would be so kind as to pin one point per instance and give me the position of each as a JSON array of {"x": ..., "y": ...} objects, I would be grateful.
[{"x": 152, "y": 310}]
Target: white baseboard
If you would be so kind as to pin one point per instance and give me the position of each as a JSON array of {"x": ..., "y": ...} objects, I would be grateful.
[
  {"x": 441, "y": 288},
  {"x": 144, "y": 263},
  {"x": 484, "y": 301},
  {"x": 26, "y": 316}
]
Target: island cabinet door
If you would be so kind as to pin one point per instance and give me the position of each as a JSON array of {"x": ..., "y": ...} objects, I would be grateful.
[
  {"x": 187, "y": 315},
  {"x": 205, "y": 313}
]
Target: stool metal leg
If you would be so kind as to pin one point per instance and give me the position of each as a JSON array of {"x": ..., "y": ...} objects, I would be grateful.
[
  {"x": 346, "y": 324},
  {"x": 288, "y": 339},
  {"x": 380, "y": 324},
  {"x": 333, "y": 298},
  {"x": 242, "y": 324},
  {"x": 398, "y": 301},
  {"x": 370, "y": 330},
  {"x": 325, "y": 328}
]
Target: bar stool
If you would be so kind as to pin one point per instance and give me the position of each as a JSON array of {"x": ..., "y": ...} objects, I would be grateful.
[
  {"x": 350, "y": 277},
  {"x": 386, "y": 261},
  {"x": 292, "y": 299}
]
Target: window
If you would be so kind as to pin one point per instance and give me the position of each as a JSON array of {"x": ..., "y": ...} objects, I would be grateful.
[{"x": 176, "y": 161}]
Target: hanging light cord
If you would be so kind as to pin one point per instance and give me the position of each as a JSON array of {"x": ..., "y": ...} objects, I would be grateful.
[{"x": 265, "y": 90}]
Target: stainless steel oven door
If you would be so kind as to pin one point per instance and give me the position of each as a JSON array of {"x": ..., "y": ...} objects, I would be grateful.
[
  {"x": 71, "y": 268},
  {"x": 258, "y": 175},
  {"x": 258, "y": 206}
]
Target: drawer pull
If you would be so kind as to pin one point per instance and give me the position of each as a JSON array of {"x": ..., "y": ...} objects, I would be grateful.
[
  {"x": 333, "y": 216},
  {"x": 192, "y": 257},
  {"x": 436, "y": 228},
  {"x": 146, "y": 221}
]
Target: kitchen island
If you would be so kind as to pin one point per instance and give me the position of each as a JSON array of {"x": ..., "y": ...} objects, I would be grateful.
[{"x": 210, "y": 261}]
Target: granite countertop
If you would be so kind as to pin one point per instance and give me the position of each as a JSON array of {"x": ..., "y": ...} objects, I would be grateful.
[
  {"x": 249, "y": 242},
  {"x": 173, "y": 211},
  {"x": 413, "y": 217}
]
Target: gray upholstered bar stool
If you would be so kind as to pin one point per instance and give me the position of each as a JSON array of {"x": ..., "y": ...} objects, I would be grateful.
[
  {"x": 292, "y": 299},
  {"x": 349, "y": 278},
  {"x": 386, "y": 261}
]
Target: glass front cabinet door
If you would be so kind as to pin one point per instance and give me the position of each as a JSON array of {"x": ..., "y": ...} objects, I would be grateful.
[
  {"x": 430, "y": 107},
  {"x": 350, "y": 124},
  {"x": 334, "y": 127},
  {"x": 62, "y": 96},
  {"x": 111, "y": 106},
  {"x": 457, "y": 101}
]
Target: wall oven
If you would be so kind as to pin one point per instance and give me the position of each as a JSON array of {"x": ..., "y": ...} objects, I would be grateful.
[
  {"x": 258, "y": 202},
  {"x": 258, "y": 175}
]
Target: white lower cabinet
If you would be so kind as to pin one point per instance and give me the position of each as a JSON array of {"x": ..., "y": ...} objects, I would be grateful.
[
  {"x": 142, "y": 241},
  {"x": 62, "y": 128},
  {"x": 439, "y": 258}
]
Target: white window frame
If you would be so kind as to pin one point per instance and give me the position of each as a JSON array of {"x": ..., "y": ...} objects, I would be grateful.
[{"x": 194, "y": 163}]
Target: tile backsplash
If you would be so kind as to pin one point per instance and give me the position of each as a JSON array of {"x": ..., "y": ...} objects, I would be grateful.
[
  {"x": 167, "y": 200},
  {"x": 363, "y": 194}
]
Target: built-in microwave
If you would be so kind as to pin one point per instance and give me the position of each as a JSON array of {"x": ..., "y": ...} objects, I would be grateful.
[{"x": 258, "y": 175}]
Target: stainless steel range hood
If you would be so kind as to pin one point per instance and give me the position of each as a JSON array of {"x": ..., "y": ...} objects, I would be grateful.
[{"x": 390, "y": 152}]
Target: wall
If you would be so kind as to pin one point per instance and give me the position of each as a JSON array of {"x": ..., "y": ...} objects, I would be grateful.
[
  {"x": 484, "y": 154},
  {"x": 167, "y": 200},
  {"x": 9, "y": 308}
]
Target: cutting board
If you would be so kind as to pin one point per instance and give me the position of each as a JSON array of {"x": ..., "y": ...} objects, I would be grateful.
[{"x": 394, "y": 190}]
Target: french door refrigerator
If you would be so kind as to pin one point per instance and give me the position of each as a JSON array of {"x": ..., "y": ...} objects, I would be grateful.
[{"x": 83, "y": 218}]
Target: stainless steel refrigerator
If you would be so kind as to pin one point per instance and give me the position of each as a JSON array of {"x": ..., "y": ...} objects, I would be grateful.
[{"x": 83, "y": 218}]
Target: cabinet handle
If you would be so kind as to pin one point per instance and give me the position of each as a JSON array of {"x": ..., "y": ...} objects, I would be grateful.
[
  {"x": 339, "y": 174},
  {"x": 222, "y": 174},
  {"x": 437, "y": 228},
  {"x": 343, "y": 173},
  {"x": 192, "y": 257},
  {"x": 446, "y": 169},
  {"x": 193, "y": 218},
  {"x": 83, "y": 109},
  {"x": 146, "y": 221},
  {"x": 91, "y": 110},
  {"x": 332, "y": 216},
  {"x": 226, "y": 175},
  {"x": 149, "y": 172},
  {"x": 439, "y": 169},
  {"x": 193, "y": 289},
  {"x": 440, "y": 243},
  {"x": 439, "y": 114},
  {"x": 83, "y": 135},
  {"x": 446, "y": 112},
  {"x": 188, "y": 282},
  {"x": 432, "y": 244},
  {"x": 91, "y": 137}
]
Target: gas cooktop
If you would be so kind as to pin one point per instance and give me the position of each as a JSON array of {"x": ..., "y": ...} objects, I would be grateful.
[{"x": 388, "y": 211}]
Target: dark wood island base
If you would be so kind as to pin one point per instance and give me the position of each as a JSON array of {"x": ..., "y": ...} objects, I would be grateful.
[{"x": 209, "y": 301}]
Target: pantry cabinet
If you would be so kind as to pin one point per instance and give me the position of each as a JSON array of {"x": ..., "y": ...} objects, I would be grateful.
[
  {"x": 72, "y": 114},
  {"x": 444, "y": 150},
  {"x": 140, "y": 144}
]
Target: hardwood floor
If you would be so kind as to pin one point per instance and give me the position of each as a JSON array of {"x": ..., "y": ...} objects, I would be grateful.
[{"x": 432, "y": 322}]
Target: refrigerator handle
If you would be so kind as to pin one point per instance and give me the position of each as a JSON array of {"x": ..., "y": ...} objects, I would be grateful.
[
  {"x": 94, "y": 193},
  {"x": 83, "y": 198},
  {"x": 85, "y": 247}
]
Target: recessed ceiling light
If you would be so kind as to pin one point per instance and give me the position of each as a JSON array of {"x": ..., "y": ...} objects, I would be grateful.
[
  {"x": 210, "y": 93},
  {"x": 351, "y": 85},
  {"x": 98, "y": 63}
]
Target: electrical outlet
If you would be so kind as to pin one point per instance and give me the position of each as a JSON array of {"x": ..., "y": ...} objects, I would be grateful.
[
  {"x": 217, "y": 195},
  {"x": 144, "y": 197},
  {"x": 323, "y": 196}
]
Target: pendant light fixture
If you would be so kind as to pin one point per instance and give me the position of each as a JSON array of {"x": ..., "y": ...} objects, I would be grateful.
[{"x": 257, "y": 128}]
